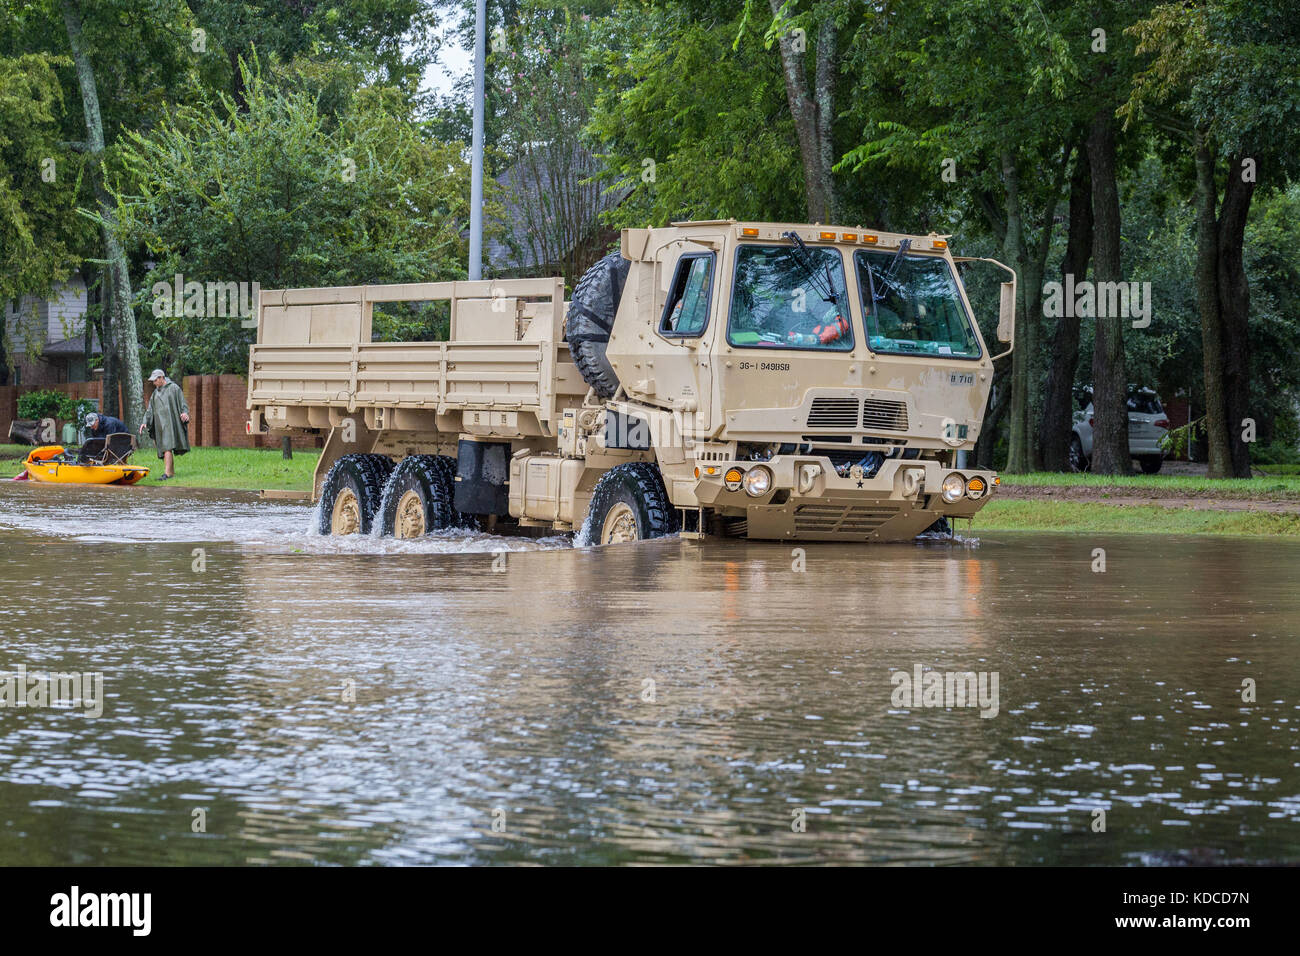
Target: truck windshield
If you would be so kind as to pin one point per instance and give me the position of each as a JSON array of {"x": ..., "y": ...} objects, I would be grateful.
[
  {"x": 917, "y": 308},
  {"x": 780, "y": 299}
]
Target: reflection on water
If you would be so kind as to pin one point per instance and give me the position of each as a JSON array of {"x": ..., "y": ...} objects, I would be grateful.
[{"x": 353, "y": 701}]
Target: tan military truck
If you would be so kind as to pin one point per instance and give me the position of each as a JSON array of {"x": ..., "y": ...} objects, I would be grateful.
[{"x": 746, "y": 379}]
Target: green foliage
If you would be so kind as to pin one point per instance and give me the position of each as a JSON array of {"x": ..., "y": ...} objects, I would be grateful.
[
  {"x": 283, "y": 195},
  {"x": 40, "y": 404},
  {"x": 51, "y": 404},
  {"x": 710, "y": 115},
  {"x": 1176, "y": 440},
  {"x": 1281, "y": 454},
  {"x": 39, "y": 179}
]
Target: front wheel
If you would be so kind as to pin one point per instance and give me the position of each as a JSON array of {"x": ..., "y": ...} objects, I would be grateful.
[
  {"x": 629, "y": 503},
  {"x": 1151, "y": 464}
]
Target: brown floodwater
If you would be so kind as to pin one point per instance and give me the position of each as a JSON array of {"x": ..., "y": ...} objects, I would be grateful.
[{"x": 270, "y": 696}]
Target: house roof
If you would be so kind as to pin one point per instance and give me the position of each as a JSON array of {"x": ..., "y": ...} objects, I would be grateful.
[
  {"x": 520, "y": 183},
  {"x": 70, "y": 348}
]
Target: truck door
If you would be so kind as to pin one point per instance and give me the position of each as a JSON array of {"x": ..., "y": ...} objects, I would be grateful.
[{"x": 688, "y": 279}]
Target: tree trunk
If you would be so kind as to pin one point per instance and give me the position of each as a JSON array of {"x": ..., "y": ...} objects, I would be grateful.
[
  {"x": 1207, "y": 301},
  {"x": 1013, "y": 244},
  {"x": 1234, "y": 309},
  {"x": 988, "y": 439},
  {"x": 1110, "y": 453},
  {"x": 117, "y": 276},
  {"x": 25, "y": 432},
  {"x": 812, "y": 114},
  {"x": 1034, "y": 270},
  {"x": 824, "y": 98},
  {"x": 110, "y": 404},
  {"x": 4, "y": 355},
  {"x": 1058, "y": 397}
]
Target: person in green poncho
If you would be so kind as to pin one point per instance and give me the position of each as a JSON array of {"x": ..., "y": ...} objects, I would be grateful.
[{"x": 166, "y": 418}]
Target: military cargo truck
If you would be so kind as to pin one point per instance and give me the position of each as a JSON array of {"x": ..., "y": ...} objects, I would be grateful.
[{"x": 775, "y": 381}]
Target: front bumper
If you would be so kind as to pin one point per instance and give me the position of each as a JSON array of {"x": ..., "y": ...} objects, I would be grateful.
[{"x": 807, "y": 500}]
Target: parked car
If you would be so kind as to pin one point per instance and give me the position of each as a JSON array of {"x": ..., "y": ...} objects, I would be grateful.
[{"x": 1147, "y": 426}]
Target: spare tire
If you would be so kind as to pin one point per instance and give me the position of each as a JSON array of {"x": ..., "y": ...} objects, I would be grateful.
[{"x": 590, "y": 319}]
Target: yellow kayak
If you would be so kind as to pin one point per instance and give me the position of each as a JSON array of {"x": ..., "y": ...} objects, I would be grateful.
[{"x": 50, "y": 464}]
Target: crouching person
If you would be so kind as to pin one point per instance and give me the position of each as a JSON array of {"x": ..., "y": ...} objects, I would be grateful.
[
  {"x": 101, "y": 426},
  {"x": 166, "y": 418}
]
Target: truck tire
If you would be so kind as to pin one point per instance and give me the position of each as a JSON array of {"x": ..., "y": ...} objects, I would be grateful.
[
  {"x": 629, "y": 503},
  {"x": 590, "y": 319},
  {"x": 417, "y": 498},
  {"x": 351, "y": 494}
]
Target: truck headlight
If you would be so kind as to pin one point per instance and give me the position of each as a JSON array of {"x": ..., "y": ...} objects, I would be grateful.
[
  {"x": 975, "y": 488},
  {"x": 954, "y": 486},
  {"x": 758, "y": 481}
]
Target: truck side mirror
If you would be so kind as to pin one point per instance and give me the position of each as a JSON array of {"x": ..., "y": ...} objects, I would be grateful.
[{"x": 1007, "y": 312}]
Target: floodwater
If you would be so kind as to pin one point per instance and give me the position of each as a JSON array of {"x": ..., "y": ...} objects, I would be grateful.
[{"x": 276, "y": 697}]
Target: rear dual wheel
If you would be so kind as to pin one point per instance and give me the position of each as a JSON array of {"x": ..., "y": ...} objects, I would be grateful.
[
  {"x": 419, "y": 497},
  {"x": 351, "y": 494}
]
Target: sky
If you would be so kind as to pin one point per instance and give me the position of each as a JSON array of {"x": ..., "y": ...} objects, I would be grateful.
[{"x": 454, "y": 61}]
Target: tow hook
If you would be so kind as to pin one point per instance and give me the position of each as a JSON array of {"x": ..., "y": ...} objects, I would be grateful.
[{"x": 808, "y": 475}]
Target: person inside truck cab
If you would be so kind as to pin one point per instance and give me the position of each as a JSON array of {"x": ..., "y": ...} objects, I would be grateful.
[{"x": 782, "y": 300}]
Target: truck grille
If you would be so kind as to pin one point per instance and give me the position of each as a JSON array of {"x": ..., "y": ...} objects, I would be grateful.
[
  {"x": 833, "y": 413},
  {"x": 840, "y": 519},
  {"x": 891, "y": 416},
  {"x": 873, "y": 413}
]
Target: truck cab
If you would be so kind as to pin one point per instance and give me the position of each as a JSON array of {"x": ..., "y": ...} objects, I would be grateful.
[{"x": 824, "y": 377}]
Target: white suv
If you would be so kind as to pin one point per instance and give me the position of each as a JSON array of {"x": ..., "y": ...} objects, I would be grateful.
[{"x": 1147, "y": 425}]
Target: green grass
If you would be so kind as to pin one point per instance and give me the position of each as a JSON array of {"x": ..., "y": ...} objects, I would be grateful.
[
  {"x": 241, "y": 469},
  {"x": 1227, "y": 487},
  {"x": 1075, "y": 517}
]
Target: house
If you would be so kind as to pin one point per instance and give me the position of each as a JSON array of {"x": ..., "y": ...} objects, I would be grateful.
[
  {"x": 551, "y": 222},
  {"x": 46, "y": 338}
]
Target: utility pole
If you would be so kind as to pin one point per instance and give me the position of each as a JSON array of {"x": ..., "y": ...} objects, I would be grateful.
[{"x": 476, "y": 148}]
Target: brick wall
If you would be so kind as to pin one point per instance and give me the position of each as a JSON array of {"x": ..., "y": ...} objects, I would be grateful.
[
  {"x": 217, "y": 404},
  {"x": 9, "y": 398},
  {"x": 8, "y": 409}
]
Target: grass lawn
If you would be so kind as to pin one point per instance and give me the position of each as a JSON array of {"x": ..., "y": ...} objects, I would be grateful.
[
  {"x": 1225, "y": 487},
  {"x": 1076, "y": 516},
  {"x": 244, "y": 469}
]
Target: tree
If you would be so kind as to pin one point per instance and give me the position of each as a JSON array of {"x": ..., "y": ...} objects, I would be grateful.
[
  {"x": 116, "y": 270},
  {"x": 1058, "y": 391},
  {"x": 694, "y": 120},
  {"x": 282, "y": 195},
  {"x": 38, "y": 188},
  {"x": 552, "y": 61},
  {"x": 1222, "y": 76},
  {"x": 812, "y": 106},
  {"x": 1002, "y": 114},
  {"x": 393, "y": 40}
]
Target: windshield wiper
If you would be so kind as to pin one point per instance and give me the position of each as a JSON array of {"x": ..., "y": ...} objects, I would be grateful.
[
  {"x": 804, "y": 258},
  {"x": 893, "y": 263}
]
